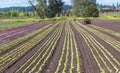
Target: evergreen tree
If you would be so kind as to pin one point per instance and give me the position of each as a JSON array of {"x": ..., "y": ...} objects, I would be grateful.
[
  {"x": 59, "y": 7},
  {"x": 55, "y": 7},
  {"x": 113, "y": 6},
  {"x": 117, "y": 4}
]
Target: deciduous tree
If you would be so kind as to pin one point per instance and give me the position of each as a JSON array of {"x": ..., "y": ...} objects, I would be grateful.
[{"x": 81, "y": 8}]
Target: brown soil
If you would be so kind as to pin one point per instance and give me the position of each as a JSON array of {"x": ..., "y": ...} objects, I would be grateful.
[
  {"x": 110, "y": 24},
  {"x": 110, "y": 35},
  {"x": 88, "y": 64},
  {"x": 12, "y": 34},
  {"x": 108, "y": 47},
  {"x": 112, "y": 50},
  {"x": 21, "y": 43},
  {"x": 87, "y": 61},
  {"x": 16, "y": 64},
  {"x": 52, "y": 64}
]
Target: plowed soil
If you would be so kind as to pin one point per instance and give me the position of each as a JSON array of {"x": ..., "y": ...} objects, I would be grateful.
[{"x": 70, "y": 45}]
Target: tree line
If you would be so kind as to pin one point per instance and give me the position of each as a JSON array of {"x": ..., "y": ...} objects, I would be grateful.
[
  {"x": 51, "y": 8},
  {"x": 15, "y": 13},
  {"x": 48, "y": 8},
  {"x": 19, "y": 9},
  {"x": 113, "y": 6},
  {"x": 85, "y": 8},
  {"x": 11, "y": 12},
  {"x": 81, "y": 8}
]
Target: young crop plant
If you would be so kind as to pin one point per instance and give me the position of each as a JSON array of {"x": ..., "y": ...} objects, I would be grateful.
[
  {"x": 105, "y": 30},
  {"x": 43, "y": 54},
  {"x": 36, "y": 55},
  {"x": 69, "y": 46},
  {"x": 11, "y": 57},
  {"x": 111, "y": 41},
  {"x": 106, "y": 59},
  {"x": 21, "y": 39}
]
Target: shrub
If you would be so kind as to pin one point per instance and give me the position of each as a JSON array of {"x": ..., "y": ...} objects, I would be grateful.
[{"x": 1, "y": 15}]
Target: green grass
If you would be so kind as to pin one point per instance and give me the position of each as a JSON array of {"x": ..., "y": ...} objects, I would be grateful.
[
  {"x": 13, "y": 23},
  {"x": 17, "y": 22}
]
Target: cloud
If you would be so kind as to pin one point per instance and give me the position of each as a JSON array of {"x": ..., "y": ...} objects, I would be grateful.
[
  {"x": 108, "y": 2},
  {"x": 67, "y": 1},
  {"x": 8, "y": 3}
]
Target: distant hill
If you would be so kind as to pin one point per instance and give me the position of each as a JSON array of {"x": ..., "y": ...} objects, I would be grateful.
[
  {"x": 20, "y": 9},
  {"x": 29, "y": 8},
  {"x": 67, "y": 7}
]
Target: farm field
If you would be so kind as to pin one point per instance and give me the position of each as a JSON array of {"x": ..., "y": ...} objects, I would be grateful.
[
  {"x": 61, "y": 47},
  {"x": 12, "y": 34},
  {"x": 14, "y": 23}
]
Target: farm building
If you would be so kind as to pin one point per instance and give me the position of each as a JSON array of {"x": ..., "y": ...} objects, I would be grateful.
[{"x": 109, "y": 10}]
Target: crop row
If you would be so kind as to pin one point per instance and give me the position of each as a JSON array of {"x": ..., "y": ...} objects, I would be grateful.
[
  {"x": 69, "y": 48},
  {"x": 105, "y": 30},
  {"x": 21, "y": 39},
  {"x": 107, "y": 63},
  {"x": 13, "y": 55},
  {"x": 10, "y": 35},
  {"x": 19, "y": 29},
  {"x": 111, "y": 41},
  {"x": 42, "y": 53},
  {"x": 39, "y": 59}
]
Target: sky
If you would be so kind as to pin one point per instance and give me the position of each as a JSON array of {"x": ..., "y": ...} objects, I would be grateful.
[{"x": 11, "y": 3}]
